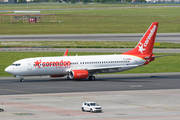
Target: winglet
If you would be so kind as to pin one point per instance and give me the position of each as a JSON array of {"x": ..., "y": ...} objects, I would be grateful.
[
  {"x": 145, "y": 46},
  {"x": 66, "y": 53}
]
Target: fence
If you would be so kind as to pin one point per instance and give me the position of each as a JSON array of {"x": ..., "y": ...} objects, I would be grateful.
[{"x": 27, "y": 18}]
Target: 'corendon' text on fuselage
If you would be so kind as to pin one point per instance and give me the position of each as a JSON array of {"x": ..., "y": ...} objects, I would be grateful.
[{"x": 39, "y": 63}]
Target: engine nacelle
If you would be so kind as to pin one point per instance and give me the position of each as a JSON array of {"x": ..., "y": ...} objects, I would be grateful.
[{"x": 78, "y": 74}]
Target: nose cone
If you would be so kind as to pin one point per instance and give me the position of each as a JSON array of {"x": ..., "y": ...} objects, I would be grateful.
[{"x": 9, "y": 70}]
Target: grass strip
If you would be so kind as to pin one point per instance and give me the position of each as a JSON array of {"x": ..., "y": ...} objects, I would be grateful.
[
  {"x": 82, "y": 44},
  {"x": 159, "y": 65},
  {"x": 130, "y": 20}
]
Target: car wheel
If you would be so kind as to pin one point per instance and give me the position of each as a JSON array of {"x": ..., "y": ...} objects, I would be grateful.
[{"x": 83, "y": 109}]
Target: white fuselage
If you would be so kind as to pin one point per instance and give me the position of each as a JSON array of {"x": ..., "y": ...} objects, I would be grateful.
[
  {"x": 40, "y": 66},
  {"x": 82, "y": 67}
]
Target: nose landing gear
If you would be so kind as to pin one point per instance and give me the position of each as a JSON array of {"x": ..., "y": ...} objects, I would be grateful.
[
  {"x": 22, "y": 80},
  {"x": 21, "y": 77}
]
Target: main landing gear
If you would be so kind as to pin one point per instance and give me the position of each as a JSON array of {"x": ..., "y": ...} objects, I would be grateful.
[
  {"x": 92, "y": 78},
  {"x": 22, "y": 80}
]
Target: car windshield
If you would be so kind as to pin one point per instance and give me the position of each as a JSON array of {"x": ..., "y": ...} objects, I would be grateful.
[{"x": 94, "y": 104}]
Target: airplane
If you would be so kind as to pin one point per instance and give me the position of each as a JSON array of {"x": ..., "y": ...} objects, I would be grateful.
[{"x": 83, "y": 67}]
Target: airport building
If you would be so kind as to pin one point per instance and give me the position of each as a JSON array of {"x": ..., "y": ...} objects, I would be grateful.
[{"x": 157, "y": 1}]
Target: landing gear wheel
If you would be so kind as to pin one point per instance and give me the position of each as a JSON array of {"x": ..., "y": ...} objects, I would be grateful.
[
  {"x": 22, "y": 80},
  {"x": 92, "y": 78}
]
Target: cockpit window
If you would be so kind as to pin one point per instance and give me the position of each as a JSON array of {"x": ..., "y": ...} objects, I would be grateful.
[{"x": 16, "y": 64}]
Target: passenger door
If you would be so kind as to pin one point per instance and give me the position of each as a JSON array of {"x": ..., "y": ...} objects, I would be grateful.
[
  {"x": 29, "y": 66},
  {"x": 88, "y": 107}
]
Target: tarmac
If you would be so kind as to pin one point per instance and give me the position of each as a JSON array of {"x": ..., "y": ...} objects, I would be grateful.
[
  {"x": 116, "y": 105},
  {"x": 110, "y": 50},
  {"x": 160, "y": 37},
  {"x": 149, "y": 97}
]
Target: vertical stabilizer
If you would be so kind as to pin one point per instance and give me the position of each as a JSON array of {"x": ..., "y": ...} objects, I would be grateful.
[{"x": 145, "y": 46}]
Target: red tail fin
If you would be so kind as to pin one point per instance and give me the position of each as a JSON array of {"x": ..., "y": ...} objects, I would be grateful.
[{"x": 145, "y": 46}]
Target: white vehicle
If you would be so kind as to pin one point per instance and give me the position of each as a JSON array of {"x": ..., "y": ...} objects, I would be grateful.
[
  {"x": 91, "y": 106},
  {"x": 83, "y": 67}
]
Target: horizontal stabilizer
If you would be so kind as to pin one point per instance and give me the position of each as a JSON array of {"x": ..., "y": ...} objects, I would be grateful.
[{"x": 164, "y": 55}]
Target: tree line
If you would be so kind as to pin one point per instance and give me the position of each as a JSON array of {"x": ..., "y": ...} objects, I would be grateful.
[{"x": 84, "y": 1}]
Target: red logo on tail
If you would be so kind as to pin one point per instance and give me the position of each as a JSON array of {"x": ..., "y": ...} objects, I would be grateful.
[
  {"x": 141, "y": 49},
  {"x": 145, "y": 46}
]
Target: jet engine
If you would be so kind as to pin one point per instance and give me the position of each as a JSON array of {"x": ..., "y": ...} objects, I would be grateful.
[{"x": 78, "y": 74}]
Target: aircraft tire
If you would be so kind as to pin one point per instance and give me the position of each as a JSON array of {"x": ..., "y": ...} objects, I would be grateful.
[
  {"x": 22, "y": 80},
  {"x": 93, "y": 78}
]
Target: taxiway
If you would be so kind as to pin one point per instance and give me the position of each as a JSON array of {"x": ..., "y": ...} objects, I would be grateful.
[{"x": 160, "y": 37}]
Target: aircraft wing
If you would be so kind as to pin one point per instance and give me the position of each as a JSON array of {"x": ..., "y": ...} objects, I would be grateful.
[
  {"x": 100, "y": 68},
  {"x": 109, "y": 69},
  {"x": 103, "y": 69}
]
